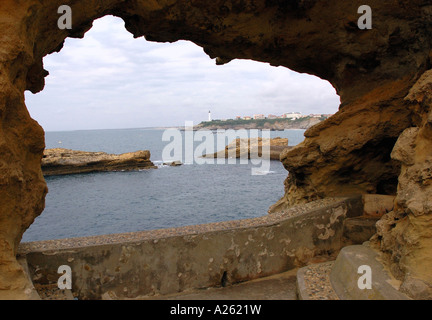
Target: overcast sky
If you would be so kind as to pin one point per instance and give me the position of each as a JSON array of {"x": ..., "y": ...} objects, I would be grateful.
[{"x": 111, "y": 80}]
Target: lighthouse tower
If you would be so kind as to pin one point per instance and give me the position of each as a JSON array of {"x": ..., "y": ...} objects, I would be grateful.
[{"x": 209, "y": 116}]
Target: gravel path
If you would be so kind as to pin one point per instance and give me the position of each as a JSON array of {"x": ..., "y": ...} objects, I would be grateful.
[{"x": 317, "y": 282}]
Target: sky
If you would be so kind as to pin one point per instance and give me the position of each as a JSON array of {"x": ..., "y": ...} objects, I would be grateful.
[{"x": 109, "y": 80}]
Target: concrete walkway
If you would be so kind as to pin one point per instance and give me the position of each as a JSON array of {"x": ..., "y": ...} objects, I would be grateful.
[
  {"x": 328, "y": 280},
  {"x": 277, "y": 287}
]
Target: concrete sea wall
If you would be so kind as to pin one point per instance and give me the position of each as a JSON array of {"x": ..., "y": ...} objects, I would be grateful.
[{"x": 173, "y": 260}]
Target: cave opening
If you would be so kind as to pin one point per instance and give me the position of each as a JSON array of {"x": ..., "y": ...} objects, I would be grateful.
[{"x": 112, "y": 93}]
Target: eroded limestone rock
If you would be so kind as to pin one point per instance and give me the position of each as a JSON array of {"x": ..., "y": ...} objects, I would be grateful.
[
  {"x": 247, "y": 148},
  {"x": 405, "y": 234},
  {"x": 59, "y": 161}
]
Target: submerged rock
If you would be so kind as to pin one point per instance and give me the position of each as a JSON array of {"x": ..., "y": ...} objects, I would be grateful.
[
  {"x": 173, "y": 163},
  {"x": 60, "y": 161}
]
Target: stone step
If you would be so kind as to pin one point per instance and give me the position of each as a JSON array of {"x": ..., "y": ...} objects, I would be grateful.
[
  {"x": 339, "y": 279},
  {"x": 353, "y": 263},
  {"x": 357, "y": 230},
  {"x": 52, "y": 292}
]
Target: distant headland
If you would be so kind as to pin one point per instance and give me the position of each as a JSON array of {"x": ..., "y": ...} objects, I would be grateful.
[{"x": 294, "y": 121}]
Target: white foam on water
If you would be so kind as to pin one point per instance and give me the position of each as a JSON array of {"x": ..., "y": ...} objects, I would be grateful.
[{"x": 263, "y": 173}]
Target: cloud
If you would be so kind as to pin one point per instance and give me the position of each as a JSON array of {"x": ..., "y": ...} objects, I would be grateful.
[{"x": 111, "y": 80}]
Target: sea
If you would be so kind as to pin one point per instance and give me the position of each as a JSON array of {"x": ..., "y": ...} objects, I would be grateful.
[{"x": 100, "y": 203}]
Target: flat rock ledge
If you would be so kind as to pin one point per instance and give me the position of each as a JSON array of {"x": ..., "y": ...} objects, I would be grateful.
[
  {"x": 247, "y": 148},
  {"x": 59, "y": 161}
]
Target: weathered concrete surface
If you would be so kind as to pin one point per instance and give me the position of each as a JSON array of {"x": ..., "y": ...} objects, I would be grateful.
[
  {"x": 277, "y": 287},
  {"x": 60, "y": 161},
  {"x": 344, "y": 276},
  {"x": 372, "y": 71},
  {"x": 324, "y": 281},
  {"x": 168, "y": 261}
]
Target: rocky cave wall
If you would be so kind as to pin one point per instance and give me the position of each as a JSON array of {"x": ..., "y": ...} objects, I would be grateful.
[{"x": 372, "y": 70}]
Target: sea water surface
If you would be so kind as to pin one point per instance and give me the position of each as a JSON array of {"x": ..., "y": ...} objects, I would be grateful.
[{"x": 115, "y": 202}]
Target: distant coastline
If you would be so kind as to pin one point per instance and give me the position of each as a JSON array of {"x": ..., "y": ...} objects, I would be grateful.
[
  {"x": 268, "y": 124},
  {"x": 271, "y": 124}
]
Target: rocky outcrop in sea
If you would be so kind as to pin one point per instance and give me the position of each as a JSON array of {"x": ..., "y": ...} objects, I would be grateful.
[
  {"x": 248, "y": 148},
  {"x": 59, "y": 161}
]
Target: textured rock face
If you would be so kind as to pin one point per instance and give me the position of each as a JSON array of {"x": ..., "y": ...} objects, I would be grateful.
[
  {"x": 247, "y": 148},
  {"x": 64, "y": 161},
  {"x": 356, "y": 159},
  {"x": 372, "y": 71},
  {"x": 405, "y": 234}
]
